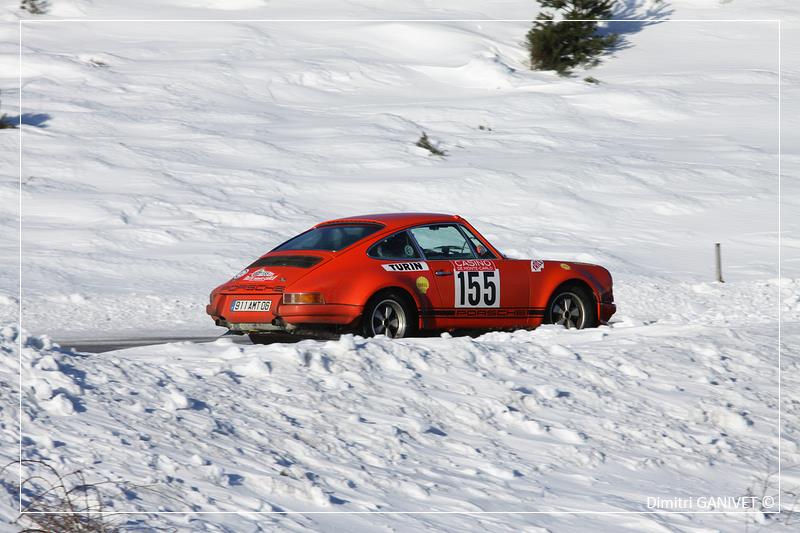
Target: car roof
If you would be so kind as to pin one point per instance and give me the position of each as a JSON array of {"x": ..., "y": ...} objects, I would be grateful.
[{"x": 391, "y": 220}]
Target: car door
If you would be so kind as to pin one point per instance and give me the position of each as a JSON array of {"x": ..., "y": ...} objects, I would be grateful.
[{"x": 472, "y": 291}]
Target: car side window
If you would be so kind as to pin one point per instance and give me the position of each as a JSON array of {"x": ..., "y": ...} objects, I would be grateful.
[
  {"x": 397, "y": 246},
  {"x": 442, "y": 241},
  {"x": 480, "y": 248}
]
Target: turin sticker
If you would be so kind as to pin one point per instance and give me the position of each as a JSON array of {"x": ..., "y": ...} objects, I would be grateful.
[
  {"x": 413, "y": 266},
  {"x": 537, "y": 265}
]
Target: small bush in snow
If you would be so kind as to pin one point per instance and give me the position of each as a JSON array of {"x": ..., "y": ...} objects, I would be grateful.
[
  {"x": 425, "y": 142},
  {"x": 5, "y": 123},
  {"x": 34, "y": 7},
  {"x": 60, "y": 503},
  {"x": 573, "y": 40}
]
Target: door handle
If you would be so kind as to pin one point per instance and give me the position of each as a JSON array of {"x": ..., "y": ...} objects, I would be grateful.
[{"x": 443, "y": 273}]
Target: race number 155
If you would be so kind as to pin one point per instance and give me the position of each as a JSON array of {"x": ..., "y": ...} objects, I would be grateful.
[{"x": 478, "y": 288}]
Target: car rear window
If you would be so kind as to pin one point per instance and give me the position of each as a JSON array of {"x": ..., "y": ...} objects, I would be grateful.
[
  {"x": 331, "y": 238},
  {"x": 298, "y": 261}
]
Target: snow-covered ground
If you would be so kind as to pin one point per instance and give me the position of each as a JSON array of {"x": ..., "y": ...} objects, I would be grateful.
[
  {"x": 159, "y": 157},
  {"x": 596, "y": 420}
]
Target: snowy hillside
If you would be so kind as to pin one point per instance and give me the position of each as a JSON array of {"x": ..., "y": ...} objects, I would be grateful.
[
  {"x": 170, "y": 154},
  {"x": 160, "y": 157}
]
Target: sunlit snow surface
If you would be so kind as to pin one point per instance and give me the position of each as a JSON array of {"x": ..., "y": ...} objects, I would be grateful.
[
  {"x": 526, "y": 421},
  {"x": 159, "y": 158}
]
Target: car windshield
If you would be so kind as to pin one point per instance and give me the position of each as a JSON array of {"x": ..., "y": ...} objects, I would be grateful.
[
  {"x": 331, "y": 238},
  {"x": 483, "y": 251}
]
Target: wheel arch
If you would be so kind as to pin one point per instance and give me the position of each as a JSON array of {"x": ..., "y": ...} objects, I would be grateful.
[
  {"x": 404, "y": 293},
  {"x": 573, "y": 282},
  {"x": 395, "y": 288}
]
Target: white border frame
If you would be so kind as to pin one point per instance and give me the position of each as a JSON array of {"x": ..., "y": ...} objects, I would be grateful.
[{"x": 23, "y": 21}]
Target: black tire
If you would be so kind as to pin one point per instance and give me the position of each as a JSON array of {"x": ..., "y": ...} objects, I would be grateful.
[
  {"x": 389, "y": 313},
  {"x": 573, "y": 307}
]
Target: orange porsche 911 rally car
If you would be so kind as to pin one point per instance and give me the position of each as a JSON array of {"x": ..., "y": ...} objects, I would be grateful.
[{"x": 398, "y": 274}]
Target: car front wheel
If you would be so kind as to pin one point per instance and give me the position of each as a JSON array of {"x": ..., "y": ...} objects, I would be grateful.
[{"x": 573, "y": 308}]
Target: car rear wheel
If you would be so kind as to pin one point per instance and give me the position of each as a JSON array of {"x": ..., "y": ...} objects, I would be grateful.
[
  {"x": 388, "y": 314},
  {"x": 572, "y": 307}
]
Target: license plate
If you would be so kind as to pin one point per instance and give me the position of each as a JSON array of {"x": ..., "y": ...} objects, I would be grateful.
[{"x": 251, "y": 305}]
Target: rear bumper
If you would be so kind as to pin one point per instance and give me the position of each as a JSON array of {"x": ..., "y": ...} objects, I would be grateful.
[
  {"x": 606, "y": 311},
  {"x": 282, "y": 317},
  {"x": 339, "y": 314}
]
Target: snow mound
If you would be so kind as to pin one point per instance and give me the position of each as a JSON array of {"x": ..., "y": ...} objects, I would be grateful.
[{"x": 522, "y": 420}]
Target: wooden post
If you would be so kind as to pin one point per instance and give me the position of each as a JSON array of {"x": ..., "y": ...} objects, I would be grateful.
[{"x": 718, "y": 250}]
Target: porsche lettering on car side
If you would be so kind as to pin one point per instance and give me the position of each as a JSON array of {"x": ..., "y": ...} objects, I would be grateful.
[{"x": 398, "y": 274}]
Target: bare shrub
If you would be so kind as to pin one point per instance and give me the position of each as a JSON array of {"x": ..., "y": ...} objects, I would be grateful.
[
  {"x": 53, "y": 502},
  {"x": 425, "y": 142}
]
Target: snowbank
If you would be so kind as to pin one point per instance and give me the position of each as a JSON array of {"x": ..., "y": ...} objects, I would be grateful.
[{"x": 524, "y": 421}]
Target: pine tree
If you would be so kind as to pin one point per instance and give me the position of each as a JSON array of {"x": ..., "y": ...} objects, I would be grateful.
[{"x": 561, "y": 45}]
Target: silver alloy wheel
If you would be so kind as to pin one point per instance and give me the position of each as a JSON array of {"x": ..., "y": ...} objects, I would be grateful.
[
  {"x": 567, "y": 310},
  {"x": 388, "y": 318}
]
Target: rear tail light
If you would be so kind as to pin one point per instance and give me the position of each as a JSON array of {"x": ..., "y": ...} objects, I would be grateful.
[{"x": 297, "y": 298}]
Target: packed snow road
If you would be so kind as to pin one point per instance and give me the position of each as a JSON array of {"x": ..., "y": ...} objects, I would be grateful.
[{"x": 109, "y": 345}]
